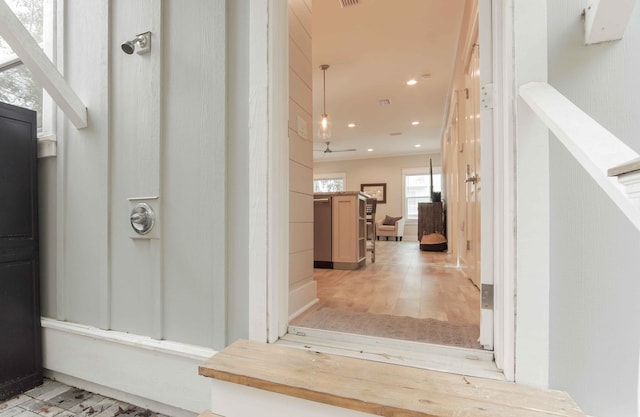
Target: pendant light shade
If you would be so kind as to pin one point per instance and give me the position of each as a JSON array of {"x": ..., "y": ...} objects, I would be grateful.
[{"x": 324, "y": 130}]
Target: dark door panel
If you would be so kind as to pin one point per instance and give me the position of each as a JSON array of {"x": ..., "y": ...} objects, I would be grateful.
[{"x": 20, "y": 334}]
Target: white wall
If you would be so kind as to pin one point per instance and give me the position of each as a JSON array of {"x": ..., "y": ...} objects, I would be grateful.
[
  {"x": 594, "y": 341},
  {"x": 594, "y": 288},
  {"x": 381, "y": 170},
  {"x": 601, "y": 79}
]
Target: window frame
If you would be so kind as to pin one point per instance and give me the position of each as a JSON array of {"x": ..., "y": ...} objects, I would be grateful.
[
  {"x": 52, "y": 18},
  {"x": 406, "y": 172},
  {"x": 330, "y": 176}
]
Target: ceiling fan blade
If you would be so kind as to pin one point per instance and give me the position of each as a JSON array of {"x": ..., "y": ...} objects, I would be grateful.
[{"x": 344, "y": 150}]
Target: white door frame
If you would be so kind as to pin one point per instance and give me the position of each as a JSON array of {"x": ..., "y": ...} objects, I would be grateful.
[{"x": 269, "y": 184}]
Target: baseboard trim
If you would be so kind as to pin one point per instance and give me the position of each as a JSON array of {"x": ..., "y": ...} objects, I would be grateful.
[
  {"x": 302, "y": 296},
  {"x": 161, "y": 371},
  {"x": 303, "y": 309},
  {"x": 146, "y": 403}
]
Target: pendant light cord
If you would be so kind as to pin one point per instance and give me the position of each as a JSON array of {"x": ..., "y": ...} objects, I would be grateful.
[
  {"x": 324, "y": 91},
  {"x": 324, "y": 68}
]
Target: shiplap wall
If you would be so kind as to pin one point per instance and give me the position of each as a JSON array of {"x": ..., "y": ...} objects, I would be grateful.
[{"x": 302, "y": 287}]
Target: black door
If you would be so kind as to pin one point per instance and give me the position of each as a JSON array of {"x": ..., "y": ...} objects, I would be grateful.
[{"x": 20, "y": 341}]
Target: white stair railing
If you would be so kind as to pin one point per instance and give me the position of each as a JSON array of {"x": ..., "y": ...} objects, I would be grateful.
[{"x": 599, "y": 152}]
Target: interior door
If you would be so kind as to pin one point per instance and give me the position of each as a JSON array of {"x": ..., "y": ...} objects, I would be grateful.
[
  {"x": 471, "y": 166},
  {"x": 20, "y": 340}
]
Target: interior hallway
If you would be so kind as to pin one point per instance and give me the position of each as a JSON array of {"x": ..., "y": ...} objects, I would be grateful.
[{"x": 406, "y": 294}]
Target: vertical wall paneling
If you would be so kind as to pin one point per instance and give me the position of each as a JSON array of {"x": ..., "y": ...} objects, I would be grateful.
[
  {"x": 302, "y": 287},
  {"x": 194, "y": 173},
  {"x": 61, "y": 174},
  {"x": 156, "y": 269},
  {"x": 135, "y": 168},
  {"x": 83, "y": 170}
]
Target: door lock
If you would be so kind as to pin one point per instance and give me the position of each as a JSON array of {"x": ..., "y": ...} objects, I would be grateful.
[{"x": 472, "y": 179}]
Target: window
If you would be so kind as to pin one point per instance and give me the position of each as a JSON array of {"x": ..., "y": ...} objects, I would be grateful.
[
  {"x": 328, "y": 183},
  {"x": 417, "y": 189},
  {"x": 16, "y": 84}
]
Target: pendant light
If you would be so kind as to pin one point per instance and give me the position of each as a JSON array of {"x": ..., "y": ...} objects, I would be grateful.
[{"x": 324, "y": 131}]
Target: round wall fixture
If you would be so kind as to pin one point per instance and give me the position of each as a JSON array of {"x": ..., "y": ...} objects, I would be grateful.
[{"x": 142, "y": 218}]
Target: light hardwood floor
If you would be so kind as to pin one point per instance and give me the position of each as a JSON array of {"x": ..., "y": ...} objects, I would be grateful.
[{"x": 404, "y": 281}]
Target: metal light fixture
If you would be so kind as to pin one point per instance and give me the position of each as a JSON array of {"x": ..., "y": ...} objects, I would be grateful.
[
  {"x": 324, "y": 132},
  {"x": 141, "y": 44},
  {"x": 142, "y": 218}
]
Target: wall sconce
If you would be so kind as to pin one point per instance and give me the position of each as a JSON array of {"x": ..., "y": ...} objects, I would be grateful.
[{"x": 141, "y": 44}]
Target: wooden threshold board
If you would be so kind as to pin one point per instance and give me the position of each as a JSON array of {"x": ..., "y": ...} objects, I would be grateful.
[{"x": 379, "y": 388}]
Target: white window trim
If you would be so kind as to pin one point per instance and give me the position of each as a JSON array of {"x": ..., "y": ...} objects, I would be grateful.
[
  {"x": 414, "y": 171},
  {"x": 41, "y": 66},
  {"x": 341, "y": 175},
  {"x": 52, "y": 20}
]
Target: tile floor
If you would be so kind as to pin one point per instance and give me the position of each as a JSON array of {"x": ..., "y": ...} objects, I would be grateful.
[{"x": 54, "y": 399}]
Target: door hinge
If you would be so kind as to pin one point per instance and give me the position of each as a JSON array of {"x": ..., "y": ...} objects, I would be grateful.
[
  {"x": 486, "y": 96},
  {"x": 468, "y": 245},
  {"x": 466, "y": 93},
  {"x": 487, "y": 296}
]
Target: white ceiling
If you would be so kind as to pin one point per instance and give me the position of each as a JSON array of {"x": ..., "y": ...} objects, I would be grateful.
[{"x": 373, "y": 49}]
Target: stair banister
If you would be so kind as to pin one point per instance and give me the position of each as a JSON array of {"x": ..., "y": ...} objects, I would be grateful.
[{"x": 594, "y": 147}]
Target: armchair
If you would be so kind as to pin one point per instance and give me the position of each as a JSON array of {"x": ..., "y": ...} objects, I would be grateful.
[{"x": 395, "y": 230}]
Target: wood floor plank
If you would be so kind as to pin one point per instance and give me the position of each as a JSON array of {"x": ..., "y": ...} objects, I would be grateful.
[
  {"x": 404, "y": 282},
  {"x": 380, "y": 388}
]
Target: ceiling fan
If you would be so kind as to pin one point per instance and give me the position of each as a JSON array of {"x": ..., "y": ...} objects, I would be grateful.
[{"x": 329, "y": 150}]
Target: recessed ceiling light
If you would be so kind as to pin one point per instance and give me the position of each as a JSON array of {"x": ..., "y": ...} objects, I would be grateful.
[
  {"x": 351, "y": 125},
  {"x": 369, "y": 150},
  {"x": 418, "y": 145},
  {"x": 412, "y": 82},
  {"x": 415, "y": 123}
]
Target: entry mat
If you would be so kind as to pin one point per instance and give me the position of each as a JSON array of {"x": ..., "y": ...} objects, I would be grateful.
[{"x": 396, "y": 327}]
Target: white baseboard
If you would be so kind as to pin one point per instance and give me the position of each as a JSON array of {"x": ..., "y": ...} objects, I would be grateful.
[
  {"x": 134, "y": 368},
  {"x": 119, "y": 395},
  {"x": 303, "y": 309},
  {"x": 302, "y": 297}
]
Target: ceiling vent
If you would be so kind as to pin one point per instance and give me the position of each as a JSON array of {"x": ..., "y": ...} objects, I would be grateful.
[
  {"x": 384, "y": 102},
  {"x": 395, "y": 133},
  {"x": 347, "y": 3}
]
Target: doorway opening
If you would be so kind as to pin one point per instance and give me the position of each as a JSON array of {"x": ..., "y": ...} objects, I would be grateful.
[{"x": 453, "y": 278}]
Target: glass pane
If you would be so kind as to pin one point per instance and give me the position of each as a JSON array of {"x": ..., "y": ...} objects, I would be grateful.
[
  {"x": 19, "y": 88},
  {"x": 30, "y": 13},
  {"x": 412, "y": 206},
  {"x": 328, "y": 185}
]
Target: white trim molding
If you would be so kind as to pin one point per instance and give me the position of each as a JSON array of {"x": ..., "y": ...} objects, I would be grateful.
[
  {"x": 159, "y": 370},
  {"x": 606, "y": 20},
  {"x": 47, "y": 146},
  {"x": 593, "y": 146},
  {"x": 41, "y": 67}
]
